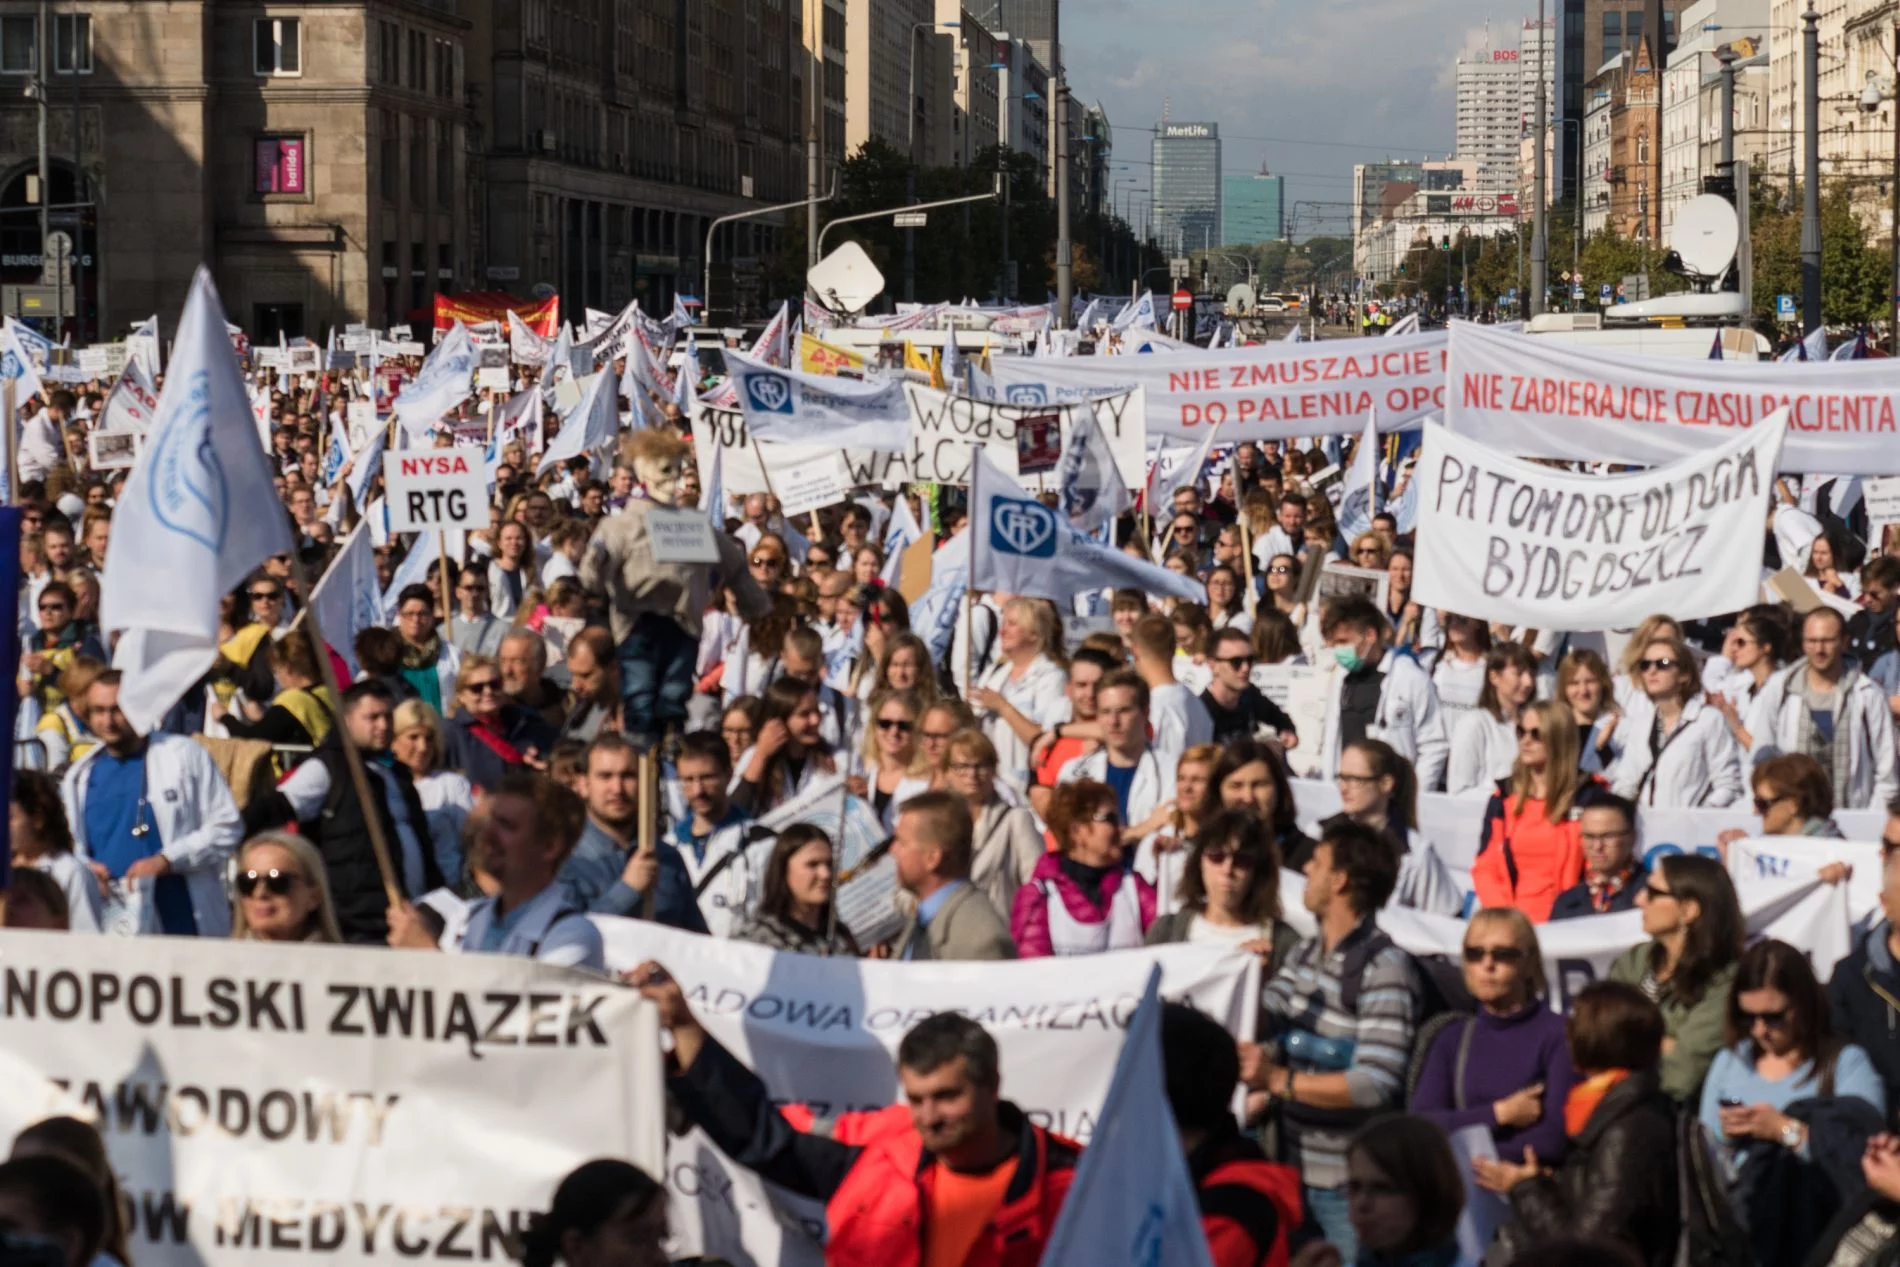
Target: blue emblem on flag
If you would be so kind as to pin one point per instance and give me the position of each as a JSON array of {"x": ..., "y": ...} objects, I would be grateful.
[{"x": 1023, "y": 528}]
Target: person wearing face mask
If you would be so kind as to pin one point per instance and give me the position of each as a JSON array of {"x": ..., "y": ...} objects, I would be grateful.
[
  {"x": 1380, "y": 695},
  {"x": 1506, "y": 1068},
  {"x": 1484, "y": 743},
  {"x": 320, "y": 797}
]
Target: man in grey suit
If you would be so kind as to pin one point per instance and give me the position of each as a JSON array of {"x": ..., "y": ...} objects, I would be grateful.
[{"x": 932, "y": 850}]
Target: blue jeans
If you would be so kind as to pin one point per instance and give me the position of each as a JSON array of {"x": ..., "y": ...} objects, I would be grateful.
[
  {"x": 656, "y": 677},
  {"x": 1327, "y": 1207}
]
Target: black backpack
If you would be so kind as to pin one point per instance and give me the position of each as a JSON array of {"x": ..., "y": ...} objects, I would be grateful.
[{"x": 1711, "y": 1235}]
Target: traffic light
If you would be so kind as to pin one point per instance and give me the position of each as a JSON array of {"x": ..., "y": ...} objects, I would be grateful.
[{"x": 1444, "y": 243}]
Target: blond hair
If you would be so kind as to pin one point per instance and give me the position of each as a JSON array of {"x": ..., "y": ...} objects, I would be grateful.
[
  {"x": 323, "y": 925},
  {"x": 1523, "y": 936},
  {"x": 1561, "y": 776}
]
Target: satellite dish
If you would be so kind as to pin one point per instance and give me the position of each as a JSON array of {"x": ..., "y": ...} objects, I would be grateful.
[
  {"x": 1240, "y": 298},
  {"x": 846, "y": 280},
  {"x": 1706, "y": 235}
]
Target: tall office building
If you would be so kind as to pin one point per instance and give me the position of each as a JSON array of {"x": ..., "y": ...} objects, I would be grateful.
[
  {"x": 1031, "y": 20},
  {"x": 1253, "y": 208},
  {"x": 1590, "y": 33},
  {"x": 1490, "y": 120},
  {"x": 1187, "y": 186}
]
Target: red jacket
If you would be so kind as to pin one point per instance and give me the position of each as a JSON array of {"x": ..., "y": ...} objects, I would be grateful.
[
  {"x": 1249, "y": 1205},
  {"x": 870, "y": 1168},
  {"x": 1524, "y": 860}
]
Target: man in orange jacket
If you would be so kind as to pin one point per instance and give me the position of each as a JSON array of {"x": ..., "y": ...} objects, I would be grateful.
[{"x": 966, "y": 1181}]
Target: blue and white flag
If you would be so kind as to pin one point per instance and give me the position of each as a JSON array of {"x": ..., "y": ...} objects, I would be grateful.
[
  {"x": 686, "y": 379},
  {"x": 1855, "y": 349},
  {"x": 899, "y": 535},
  {"x": 1814, "y": 346},
  {"x": 1359, "y": 491},
  {"x": 712, "y": 487},
  {"x": 1091, "y": 489},
  {"x": 1296, "y": 335},
  {"x": 424, "y": 553},
  {"x": 682, "y": 317},
  {"x": 934, "y": 616},
  {"x": 442, "y": 383},
  {"x": 590, "y": 427},
  {"x": 793, "y": 407},
  {"x": 196, "y": 516},
  {"x": 1023, "y": 547},
  {"x": 16, "y": 366},
  {"x": 348, "y": 600},
  {"x": 1133, "y": 1200},
  {"x": 367, "y": 464},
  {"x": 1715, "y": 349},
  {"x": 524, "y": 345},
  {"x": 38, "y": 348},
  {"x": 773, "y": 345},
  {"x": 1140, "y": 314},
  {"x": 142, "y": 346}
]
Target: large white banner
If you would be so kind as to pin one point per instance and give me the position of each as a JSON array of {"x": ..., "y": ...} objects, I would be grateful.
[
  {"x": 824, "y": 1032},
  {"x": 943, "y": 428},
  {"x": 1269, "y": 392},
  {"x": 1508, "y": 540},
  {"x": 788, "y": 406},
  {"x": 354, "y": 1105},
  {"x": 740, "y": 454},
  {"x": 1542, "y": 397}
]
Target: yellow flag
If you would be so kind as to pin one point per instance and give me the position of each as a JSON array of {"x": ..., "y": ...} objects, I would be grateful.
[
  {"x": 818, "y": 357},
  {"x": 924, "y": 362}
]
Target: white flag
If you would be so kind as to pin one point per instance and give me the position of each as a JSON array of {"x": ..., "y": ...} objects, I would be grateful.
[
  {"x": 1092, "y": 490},
  {"x": 712, "y": 487},
  {"x": 1022, "y": 547},
  {"x": 1133, "y": 1200},
  {"x": 1140, "y": 314},
  {"x": 348, "y": 599},
  {"x": 794, "y": 407},
  {"x": 1166, "y": 475},
  {"x": 590, "y": 426},
  {"x": 1359, "y": 493},
  {"x": 771, "y": 345},
  {"x": 423, "y": 554},
  {"x": 142, "y": 345},
  {"x": 934, "y": 616},
  {"x": 1408, "y": 324},
  {"x": 524, "y": 345},
  {"x": 441, "y": 385},
  {"x": 900, "y": 535},
  {"x": 644, "y": 386},
  {"x": 196, "y": 516},
  {"x": 132, "y": 403},
  {"x": 17, "y": 366}
]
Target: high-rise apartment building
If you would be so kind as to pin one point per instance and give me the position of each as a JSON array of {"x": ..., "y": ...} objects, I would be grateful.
[
  {"x": 1490, "y": 118},
  {"x": 1187, "y": 186},
  {"x": 1536, "y": 52}
]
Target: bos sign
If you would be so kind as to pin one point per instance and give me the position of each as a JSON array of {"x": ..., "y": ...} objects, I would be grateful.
[{"x": 439, "y": 489}]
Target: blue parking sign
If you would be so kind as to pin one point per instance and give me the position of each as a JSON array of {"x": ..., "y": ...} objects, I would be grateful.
[{"x": 1784, "y": 307}]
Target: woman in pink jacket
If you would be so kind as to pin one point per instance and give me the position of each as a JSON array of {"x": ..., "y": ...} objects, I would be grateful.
[{"x": 1081, "y": 900}]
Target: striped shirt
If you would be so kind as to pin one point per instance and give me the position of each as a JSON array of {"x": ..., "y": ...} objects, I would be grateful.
[{"x": 1305, "y": 995}]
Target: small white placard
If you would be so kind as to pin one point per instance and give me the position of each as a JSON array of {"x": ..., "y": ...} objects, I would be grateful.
[
  {"x": 438, "y": 488},
  {"x": 811, "y": 485},
  {"x": 681, "y": 536},
  {"x": 112, "y": 450}
]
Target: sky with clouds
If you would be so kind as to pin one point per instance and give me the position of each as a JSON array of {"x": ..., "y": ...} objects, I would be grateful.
[{"x": 1369, "y": 78}]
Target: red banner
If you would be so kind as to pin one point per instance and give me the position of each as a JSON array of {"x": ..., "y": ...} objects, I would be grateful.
[{"x": 541, "y": 316}]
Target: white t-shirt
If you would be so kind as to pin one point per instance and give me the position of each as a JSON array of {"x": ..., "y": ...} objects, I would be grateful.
[
  {"x": 1179, "y": 719},
  {"x": 1202, "y": 933}
]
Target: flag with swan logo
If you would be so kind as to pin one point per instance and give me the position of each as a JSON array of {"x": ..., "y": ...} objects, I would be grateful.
[
  {"x": 1020, "y": 546},
  {"x": 197, "y": 515}
]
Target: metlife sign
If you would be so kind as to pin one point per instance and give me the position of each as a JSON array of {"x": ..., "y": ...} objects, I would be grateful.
[{"x": 1189, "y": 131}]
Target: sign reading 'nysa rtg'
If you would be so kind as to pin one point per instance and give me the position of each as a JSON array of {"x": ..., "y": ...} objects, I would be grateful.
[
  {"x": 1271, "y": 392},
  {"x": 1507, "y": 540},
  {"x": 1536, "y": 396}
]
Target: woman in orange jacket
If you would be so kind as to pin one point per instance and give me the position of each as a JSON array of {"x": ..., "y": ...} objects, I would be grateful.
[{"x": 1532, "y": 846}]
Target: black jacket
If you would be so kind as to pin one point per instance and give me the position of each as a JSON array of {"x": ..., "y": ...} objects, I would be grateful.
[
  {"x": 1788, "y": 1201},
  {"x": 1617, "y": 1185},
  {"x": 1864, "y": 1000},
  {"x": 1575, "y": 900},
  {"x": 466, "y": 752},
  {"x": 340, "y": 833}
]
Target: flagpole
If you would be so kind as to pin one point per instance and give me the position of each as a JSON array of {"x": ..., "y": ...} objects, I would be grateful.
[
  {"x": 649, "y": 775},
  {"x": 1246, "y": 556},
  {"x": 10, "y": 406},
  {"x": 969, "y": 589},
  {"x": 352, "y": 756},
  {"x": 442, "y": 564}
]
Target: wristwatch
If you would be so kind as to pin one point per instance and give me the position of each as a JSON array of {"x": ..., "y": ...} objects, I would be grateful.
[{"x": 1791, "y": 1134}]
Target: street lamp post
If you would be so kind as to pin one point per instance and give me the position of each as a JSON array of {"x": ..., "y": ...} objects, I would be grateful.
[
  {"x": 1811, "y": 175},
  {"x": 1059, "y": 95},
  {"x": 1540, "y": 245}
]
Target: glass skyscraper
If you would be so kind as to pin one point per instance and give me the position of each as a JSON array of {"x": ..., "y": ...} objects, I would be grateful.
[
  {"x": 1187, "y": 187},
  {"x": 1253, "y": 209}
]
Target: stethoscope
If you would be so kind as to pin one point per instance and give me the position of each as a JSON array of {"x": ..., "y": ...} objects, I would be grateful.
[{"x": 142, "y": 812}]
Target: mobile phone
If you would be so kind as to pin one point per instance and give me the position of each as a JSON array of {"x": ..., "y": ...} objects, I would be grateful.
[{"x": 1729, "y": 1102}]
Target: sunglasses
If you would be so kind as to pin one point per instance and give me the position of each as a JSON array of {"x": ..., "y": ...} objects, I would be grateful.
[
  {"x": 264, "y": 596},
  {"x": 1526, "y": 733},
  {"x": 1773, "y": 1020},
  {"x": 1221, "y": 857},
  {"x": 1235, "y": 662},
  {"x": 1109, "y": 816},
  {"x": 1282, "y": 570},
  {"x": 52, "y": 607},
  {"x": 1654, "y": 894},
  {"x": 1656, "y": 666},
  {"x": 1765, "y": 803},
  {"x": 767, "y": 561},
  {"x": 482, "y": 688},
  {"x": 897, "y": 724},
  {"x": 1509, "y": 956},
  {"x": 273, "y": 881}
]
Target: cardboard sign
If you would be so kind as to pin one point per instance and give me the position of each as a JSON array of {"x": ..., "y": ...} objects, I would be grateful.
[
  {"x": 362, "y": 419},
  {"x": 681, "y": 536},
  {"x": 811, "y": 485},
  {"x": 491, "y": 367},
  {"x": 112, "y": 450},
  {"x": 444, "y": 488},
  {"x": 1038, "y": 443}
]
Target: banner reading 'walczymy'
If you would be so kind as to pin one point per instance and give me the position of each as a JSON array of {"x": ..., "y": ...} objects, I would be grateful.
[
  {"x": 1270, "y": 392},
  {"x": 1507, "y": 540},
  {"x": 363, "y": 1105},
  {"x": 1541, "y": 397}
]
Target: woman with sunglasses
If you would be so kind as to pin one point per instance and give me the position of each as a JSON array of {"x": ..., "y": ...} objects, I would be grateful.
[
  {"x": 1629, "y": 678},
  {"x": 794, "y": 911},
  {"x": 1007, "y": 841},
  {"x": 1678, "y": 752},
  {"x": 1531, "y": 848},
  {"x": 1786, "y": 1095},
  {"x": 1695, "y": 930},
  {"x": 1378, "y": 788},
  {"x": 1505, "y": 1068},
  {"x": 893, "y": 766},
  {"x": 283, "y": 892},
  {"x": 1754, "y": 648},
  {"x": 490, "y": 736},
  {"x": 1369, "y": 551},
  {"x": 1283, "y": 587},
  {"x": 1080, "y": 900},
  {"x": 1484, "y": 739},
  {"x": 1228, "y": 893}
]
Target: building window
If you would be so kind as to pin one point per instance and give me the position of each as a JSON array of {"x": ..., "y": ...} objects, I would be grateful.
[
  {"x": 72, "y": 43},
  {"x": 419, "y": 164},
  {"x": 277, "y": 46},
  {"x": 278, "y": 165},
  {"x": 445, "y": 70},
  {"x": 19, "y": 45},
  {"x": 390, "y": 67},
  {"x": 444, "y": 166},
  {"x": 418, "y": 62}
]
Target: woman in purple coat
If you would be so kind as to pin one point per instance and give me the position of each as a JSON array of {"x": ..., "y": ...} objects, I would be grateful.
[{"x": 1508, "y": 1067}]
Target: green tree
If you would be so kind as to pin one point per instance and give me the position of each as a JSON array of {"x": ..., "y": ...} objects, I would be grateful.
[{"x": 1854, "y": 272}]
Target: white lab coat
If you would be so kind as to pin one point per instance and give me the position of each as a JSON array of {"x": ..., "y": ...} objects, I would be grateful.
[
  {"x": 1040, "y": 694},
  {"x": 1700, "y": 765},
  {"x": 1407, "y": 718},
  {"x": 1774, "y": 724},
  {"x": 197, "y": 819},
  {"x": 1153, "y": 785},
  {"x": 1483, "y": 750}
]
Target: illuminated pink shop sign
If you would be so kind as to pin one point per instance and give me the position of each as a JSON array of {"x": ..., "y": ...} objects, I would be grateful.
[{"x": 280, "y": 167}]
